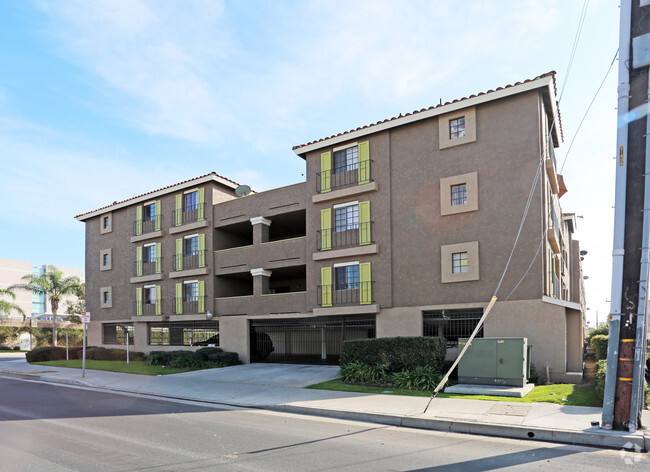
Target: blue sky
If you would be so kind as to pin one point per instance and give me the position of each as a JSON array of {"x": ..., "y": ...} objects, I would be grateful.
[{"x": 104, "y": 100}]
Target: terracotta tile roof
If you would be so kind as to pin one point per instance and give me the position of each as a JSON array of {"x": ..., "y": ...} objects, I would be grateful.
[
  {"x": 415, "y": 112},
  {"x": 157, "y": 190}
]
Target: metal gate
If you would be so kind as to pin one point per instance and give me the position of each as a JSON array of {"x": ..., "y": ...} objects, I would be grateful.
[{"x": 306, "y": 340}]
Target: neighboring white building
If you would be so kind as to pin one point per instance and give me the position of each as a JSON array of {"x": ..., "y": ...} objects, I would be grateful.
[{"x": 11, "y": 272}]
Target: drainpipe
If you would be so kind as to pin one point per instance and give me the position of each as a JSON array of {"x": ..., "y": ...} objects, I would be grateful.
[{"x": 619, "y": 214}]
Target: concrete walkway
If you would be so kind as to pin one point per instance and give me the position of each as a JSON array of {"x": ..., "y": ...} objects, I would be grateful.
[{"x": 279, "y": 387}]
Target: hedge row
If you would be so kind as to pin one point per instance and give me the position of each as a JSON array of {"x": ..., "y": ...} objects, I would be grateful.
[
  {"x": 203, "y": 358},
  {"x": 42, "y": 336},
  {"x": 51, "y": 353},
  {"x": 599, "y": 343},
  {"x": 398, "y": 354}
]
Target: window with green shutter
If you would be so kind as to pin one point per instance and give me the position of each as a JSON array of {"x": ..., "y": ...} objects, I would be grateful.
[
  {"x": 158, "y": 300},
  {"x": 325, "y": 229},
  {"x": 138, "y": 220},
  {"x": 138, "y": 261},
  {"x": 179, "y": 299},
  {"x": 158, "y": 258},
  {"x": 365, "y": 234},
  {"x": 326, "y": 286},
  {"x": 365, "y": 280},
  {"x": 325, "y": 172},
  {"x": 201, "y": 308},
  {"x": 179, "y": 254},
  {"x": 363, "y": 172},
  {"x": 138, "y": 301},
  {"x": 201, "y": 250},
  {"x": 201, "y": 204},
  {"x": 178, "y": 210}
]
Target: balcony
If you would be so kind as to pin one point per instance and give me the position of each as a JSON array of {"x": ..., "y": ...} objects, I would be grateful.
[
  {"x": 553, "y": 231},
  {"x": 153, "y": 266},
  {"x": 358, "y": 293},
  {"x": 346, "y": 176},
  {"x": 151, "y": 307},
  {"x": 147, "y": 225},
  {"x": 332, "y": 239},
  {"x": 189, "y": 261},
  {"x": 555, "y": 287},
  {"x": 188, "y": 215},
  {"x": 551, "y": 166},
  {"x": 189, "y": 305}
]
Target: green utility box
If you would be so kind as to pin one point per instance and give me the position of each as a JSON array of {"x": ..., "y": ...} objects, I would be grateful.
[{"x": 495, "y": 361}]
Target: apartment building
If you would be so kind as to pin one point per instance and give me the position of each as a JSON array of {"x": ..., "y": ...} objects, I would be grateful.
[{"x": 402, "y": 228}]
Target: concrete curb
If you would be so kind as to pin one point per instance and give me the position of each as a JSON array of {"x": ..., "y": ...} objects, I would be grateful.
[{"x": 604, "y": 439}]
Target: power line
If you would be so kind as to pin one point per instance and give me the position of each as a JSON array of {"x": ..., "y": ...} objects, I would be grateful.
[
  {"x": 581, "y": 23},
  {"x": 587, "y": 112}
]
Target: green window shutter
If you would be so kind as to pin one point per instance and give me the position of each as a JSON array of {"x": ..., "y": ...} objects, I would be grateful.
[
  {"x": 138, "y": 301},
  {"x": 201, "y": 250},
  {"x": 201, "y": 296},
  {"x": 201, "y": 199},
  {"x": 158, "y": 300},
  {"x": 326, "y": 229},
  {"x": 179, "y": 254},
  {"x": 363, "y": 173},
  {"x": 158, "y": 214},
  {"x": 178, "y": 213},
  {"x": 138, "y": 261},
  {"x": 326, "y": 286},
  {"x": 364, "y": 223},
  {"x": 179, "y": 299},
  {"x": 138, "y": 219},
  {"x": 158, "y": 258},
  {"x": 365, "y": 279},
  {"x": 325, "y": 172}
]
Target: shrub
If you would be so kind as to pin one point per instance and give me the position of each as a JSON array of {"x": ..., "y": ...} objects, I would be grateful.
[
  {"x": 155, "y": 358},
  {"x": 446, "y": 365},
  {"x": 421, "y": 378},
  {"x": 601, "y": 368},
  {"x": 185, "y": 362},
  {"x": 533, "y": 377},
  {"x": 602, "y": 329},
  {"x": 45, "y": 353},
  {"x": 364, "y": 373},
  {"x": 400, "y": 353},
  {"x": 224, "y": 359},
  {"x": 205, "y": 352},
  {"x": 599, "y": 343}
]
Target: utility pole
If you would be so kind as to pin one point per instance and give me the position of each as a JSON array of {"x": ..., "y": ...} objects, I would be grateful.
[{"x": 623, "y": 399}]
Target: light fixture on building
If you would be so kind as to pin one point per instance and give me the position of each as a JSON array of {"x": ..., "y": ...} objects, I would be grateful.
[{"x": 208, "y": 315}]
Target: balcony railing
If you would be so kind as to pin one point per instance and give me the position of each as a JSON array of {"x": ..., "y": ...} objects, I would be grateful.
[
  {"x": 189, "y": 261},
  {"x": 556, "y": 286},
  {"x": 357, "y": 293},
  {"x": 346, "y": 176},
  {"x": 356, "y": 236},
  {"x": 148, "y": 225},
  {"x": 189, "y": 305},
  {"x": 188, "y": 215},
  {"x": 153, "y": 266},
  {"x": 149, "y": 307},
  {"x": 553, "y": 230}
]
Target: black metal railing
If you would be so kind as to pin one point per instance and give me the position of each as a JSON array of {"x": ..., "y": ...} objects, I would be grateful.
[
  {"x": 345, "y": 176},
  {"x": 147, "y": 225},
  {"x": 188, "y": 215},
  {"x": 189, "y": 261},
  {"x": 148, "y": 307},
  {"x": 189, "y": 305},
  {"x": 355, "y": 236},
  {"x": 153, "y": 266},
  {"x": 452, "y": 324},
  {"x": 185, "y": 333},
  {"x": 354, "y": 293}
]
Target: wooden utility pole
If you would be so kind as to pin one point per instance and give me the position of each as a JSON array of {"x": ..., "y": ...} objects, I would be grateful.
[{"x": 622, "y": 405}]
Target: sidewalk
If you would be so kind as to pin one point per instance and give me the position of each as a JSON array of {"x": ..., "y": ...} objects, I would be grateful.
[{"x": 280, "y": 388}]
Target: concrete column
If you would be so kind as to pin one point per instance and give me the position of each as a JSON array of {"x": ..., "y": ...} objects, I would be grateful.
[
  {"x": 140, "y": 336},
  {"x": 260, "y": 229},
  {"x": 260, "y": 281}
]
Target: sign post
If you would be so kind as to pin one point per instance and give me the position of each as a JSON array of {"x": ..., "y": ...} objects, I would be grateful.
[{"x": 85, "y": 319}]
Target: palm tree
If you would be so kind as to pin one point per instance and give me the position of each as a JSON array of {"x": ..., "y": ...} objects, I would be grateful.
[
  {"x": 54, "y": 285},
  {"x": 6, "y": 307}
]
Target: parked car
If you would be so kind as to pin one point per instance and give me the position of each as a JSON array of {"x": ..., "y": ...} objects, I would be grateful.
[{"x": 213, "y": 341}]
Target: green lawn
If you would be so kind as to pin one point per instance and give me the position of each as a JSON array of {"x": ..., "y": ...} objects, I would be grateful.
[
  {"x": 133, "y": 367},
  {"x": 562, "y": 394}
]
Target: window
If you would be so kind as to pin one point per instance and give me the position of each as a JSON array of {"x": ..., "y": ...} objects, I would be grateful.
[
  {"x": 346, "y": 277},
  {"x": 184, "y": 333},
  {"x": 106, "y": 295},
  {"x": 191, "y": 245},
  {"x": 452, "y": 324},
  {"x": 346, "y": 159},
  {"x": 459, "y": 262},
  {"x": 149, "y": 212},
  {"x": 190, "y": 291},
  {"x": 457, "y": 128},
  {"x": 191, "y": 201},
  {"x": 149, "y": 295},
  {"x": 346, "y": 217},
  {"x": 115, "y": 333},
  {"x": 106, "y": 298},
  {"x": 149, "y": 253},
  {"x": 105, "y": 259},
  {"x": 106, "y": 222},
  {"x": 458, "y": 194}
]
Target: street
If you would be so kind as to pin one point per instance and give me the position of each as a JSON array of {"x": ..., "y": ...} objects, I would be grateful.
[{"x": 48, "y": 427}]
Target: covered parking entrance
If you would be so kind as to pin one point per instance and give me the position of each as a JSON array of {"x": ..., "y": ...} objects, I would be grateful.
[{"x": 306, "y": 340}]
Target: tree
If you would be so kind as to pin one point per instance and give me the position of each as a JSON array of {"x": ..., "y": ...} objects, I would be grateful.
[
  {"x": 6, "y": 307},
  {"x": 54, "y": 285},
  {"x": 76, "y": 308}
]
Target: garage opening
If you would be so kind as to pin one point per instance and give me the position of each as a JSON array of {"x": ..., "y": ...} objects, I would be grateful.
[{"x": 306, "y": 340}]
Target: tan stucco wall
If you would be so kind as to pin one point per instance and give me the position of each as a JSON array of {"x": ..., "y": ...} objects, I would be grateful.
[{"x": 233, "y": 336}]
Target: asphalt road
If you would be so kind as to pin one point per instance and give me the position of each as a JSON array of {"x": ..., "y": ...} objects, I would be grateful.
[{"x": 46, "y": 427}]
